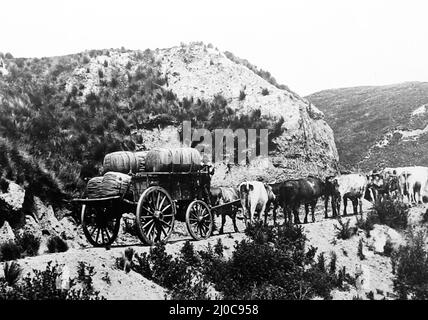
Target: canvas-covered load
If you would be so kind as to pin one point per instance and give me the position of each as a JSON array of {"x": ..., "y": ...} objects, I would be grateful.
[
  {"x": 111, "y": 184},
  {"x": 125, "y": 161},
  {"x": 173, "y": 160}
]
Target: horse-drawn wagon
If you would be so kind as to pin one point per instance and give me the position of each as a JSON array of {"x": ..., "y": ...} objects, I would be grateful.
[{"x": 158, "y": 198}]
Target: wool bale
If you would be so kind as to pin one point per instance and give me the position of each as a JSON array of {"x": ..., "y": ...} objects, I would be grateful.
[
  {"x": 93, "y": 186},
  {"x": 173, "y": 160},
  {"x": 111, "y": 184},
  {"x": 125, "y": 161}
]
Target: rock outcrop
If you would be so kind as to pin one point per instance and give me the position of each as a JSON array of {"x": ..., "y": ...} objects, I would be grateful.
[
  {"x": 14, "y": 197},
  {"x": 6, "y": 233},
  {"x": 306, "y": 144}
]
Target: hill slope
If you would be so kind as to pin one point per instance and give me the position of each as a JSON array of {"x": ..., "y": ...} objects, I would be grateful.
[
  {"x": 378, "y": 126},
  {"x": 69, "y": 111}
]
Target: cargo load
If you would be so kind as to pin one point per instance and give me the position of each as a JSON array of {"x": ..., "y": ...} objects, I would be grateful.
[
  {"x": 173, "y": 160},
  {"x": 125, "y": 161},
  {"x": 111, "y": 184}
]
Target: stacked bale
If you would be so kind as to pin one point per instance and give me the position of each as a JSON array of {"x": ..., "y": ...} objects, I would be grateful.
[
  {"x": 125, "y": 161},
  {"x": 173, "y": 160},
  {"x": 111, "y": 184},
  {"x": 117, "y": 166}
]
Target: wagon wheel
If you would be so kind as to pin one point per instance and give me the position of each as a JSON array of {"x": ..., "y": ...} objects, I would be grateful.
[
  {"x": 100, "y": 225},
  {"x": 155, "y": 215},
  {"x": 199, "y": 220}
]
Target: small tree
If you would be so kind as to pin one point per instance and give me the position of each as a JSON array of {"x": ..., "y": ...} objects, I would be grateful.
[{"x": 411, "y": 269}]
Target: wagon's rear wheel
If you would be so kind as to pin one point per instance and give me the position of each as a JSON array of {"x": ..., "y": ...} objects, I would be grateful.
[
  {"x": 155, "y": 215},
  {"x": 100, "y": 224},
  {"x": 199, "y": 220}
]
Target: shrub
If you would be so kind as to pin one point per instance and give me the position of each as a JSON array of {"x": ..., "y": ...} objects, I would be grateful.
[
  {"x": 391, "y": 212},
  {"x": 272, "y": 264},
  {"x": 410, "y": 265},
  {"x": 242, "y": 95},
  {"x": 188, "y": 253},
  {"x": 183, "y": 280},
  {"x": 106, "y": 278},
  {"x": 29, "y": 244},
  {"x": 43, "y": 286},
  {"x": 85, "y": 273},
  {"x": 343, "y": 230},
  {"x": 370, "y": 295},
  {"x": 388, "y": 248},
  {"x": 56, "y": 244},
  {"x": 10, "y": 251},
  {"x": 12, "y": 272},
  {"x": 360, "y": 250},
  {"x": 366, "y": 224},
  {"x": 219, "y": 248},
  {"x": 333, "y": 262},
  {"x": 265, "y": 92},
  {"x": 125, "y": 261},
  {"x": 275, "y": 266}
]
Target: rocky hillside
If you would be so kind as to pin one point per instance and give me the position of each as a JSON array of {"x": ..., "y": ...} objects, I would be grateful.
[
  {"x": 378, "y": 126},
  {"x": 68, "y": 111}
]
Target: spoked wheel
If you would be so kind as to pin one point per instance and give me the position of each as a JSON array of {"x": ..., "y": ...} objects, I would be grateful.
[
  {"x": 199, "y": 220},
  {"x": 100, "y": 225},
  {"x": 155, "y": 215}
]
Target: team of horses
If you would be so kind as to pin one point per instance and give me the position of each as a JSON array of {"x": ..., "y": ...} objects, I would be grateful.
[{"x": 257, "y": 198}]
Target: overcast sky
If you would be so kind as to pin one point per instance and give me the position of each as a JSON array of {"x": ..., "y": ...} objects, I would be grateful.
[{"x": 308, "y": 45}]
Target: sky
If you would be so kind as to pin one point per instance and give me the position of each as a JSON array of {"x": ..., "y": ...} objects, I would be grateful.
[{"x": 309, "y": 45}]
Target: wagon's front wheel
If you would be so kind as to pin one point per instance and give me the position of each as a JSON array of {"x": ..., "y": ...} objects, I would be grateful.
[
  {"x": 100, "y": 225},
  {"x": 199, "y": 220},
  {"x": 155, "y": 215}
]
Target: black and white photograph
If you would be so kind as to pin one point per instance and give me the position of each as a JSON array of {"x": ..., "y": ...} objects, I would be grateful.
[{"x": 226, "y": 151}]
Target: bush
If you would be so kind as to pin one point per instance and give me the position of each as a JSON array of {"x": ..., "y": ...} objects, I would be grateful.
[
  {"x": 43, "y": 286},
  {"x": 242, "y": 95},
  {"x": 10, "y": 251},
  {"x": 265, "y": 92},
  {"x": 125, "y": 261},
  {"x": 360, "y": 250},
  {"x": 56, "y": 244},
  {"x": 388, "y": 248},
  {"x": 29, "y": 244},
  {"x": 333, "y": 262},
  {"x": 390, "y": 212},
  {"x": 366, "y": 224},
  {"x": 272, "y": 264},
  {"x": 344, "y": 231},
  {"x": 85, "y": 273},
  {"x": 12, "y": 272},
  {"x": 410, "y": 265}
]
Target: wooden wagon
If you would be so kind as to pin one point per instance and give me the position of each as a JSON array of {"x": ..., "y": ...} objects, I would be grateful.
[{"x": 158, "y": 199}]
